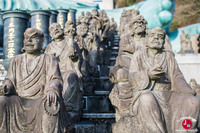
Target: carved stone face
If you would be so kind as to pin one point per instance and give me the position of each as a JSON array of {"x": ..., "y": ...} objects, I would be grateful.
[
  {"x": 94, "y": 13},
  {"x": 82, "y": 30},
  {"x": 70, "y": 29},
  {"x": 156, "y": 38},
  {"x": 56, "y": 31},
  {"x": 33, "y": 40},
  {"x": 138, "y": 27}
]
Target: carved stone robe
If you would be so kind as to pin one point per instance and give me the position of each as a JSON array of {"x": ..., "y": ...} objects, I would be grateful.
[
  {"x": 158, "y": 105},
  {"x": 26, "y": 110},
  {"x": 70, "y": 70}
]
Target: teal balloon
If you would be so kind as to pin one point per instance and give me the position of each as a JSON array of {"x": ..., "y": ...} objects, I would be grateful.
[
  {"x": 166, "y": 4},
  {"x": 165, "y": 17},
  {"x": 198, "y": 30}
]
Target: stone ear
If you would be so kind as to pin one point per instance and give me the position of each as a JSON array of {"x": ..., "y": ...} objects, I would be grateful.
[{"x": 23, "y": 50}]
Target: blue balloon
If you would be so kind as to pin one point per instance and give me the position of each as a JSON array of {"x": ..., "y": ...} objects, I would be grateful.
[
  {"x": 166, "y": 4},
  {"x": 165, "y": 17}
]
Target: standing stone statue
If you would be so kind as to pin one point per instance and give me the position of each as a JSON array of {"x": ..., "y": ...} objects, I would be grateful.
[
  {"x": 66, "y": 52},
  {"x": 97, "y": 21},
  {"x": 128, "y": 46},
  {"x": 193, "y": 84},
  {"x": 78, "y": 21},
  {"x": 159, "y": 91},
  {"x": 196, "y": 43},
  {"x": 93, "y": 41},
  {"x": 32, "y": 91},
  {"x": 82, "y": 40},
  {"x": 186, "y": 44}
]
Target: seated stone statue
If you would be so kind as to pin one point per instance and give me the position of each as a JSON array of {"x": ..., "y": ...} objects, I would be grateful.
[
  {"x": 128, "y": 46},
  {"x": 162, "y": 99},
  {"x": 66, "y": 51},
  {"x": 32, "y": 91},
  {"x": 186, "y": 44}
]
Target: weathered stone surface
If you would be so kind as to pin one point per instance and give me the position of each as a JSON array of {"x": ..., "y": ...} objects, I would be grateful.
[
  {"x": 67, "y": 52},
  {"x": 157, "y": 90},
  {"x": 32, "y": 91}
]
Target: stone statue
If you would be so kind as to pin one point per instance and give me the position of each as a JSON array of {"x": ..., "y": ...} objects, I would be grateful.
[
  {"x": 186, "y": 44},
  {"x": 32, "y": 91},
  {"x": 128, "y": 46},
  {"x": 97, "y": 21},
  {"x": 93, "y": 42},
  {"x": 82, "y": 40},
  {"x": 126, "y": 17},
  {"x": 167, "y": 45},
  {"x": 67, "y": 53},
  {"x": 193, "y": 84},
  {"x": 196, "y": 43},
  {"x": 78, "y": 21},
  {"x": 159, "y": 91},
  {"x": 113, "y": 25}
]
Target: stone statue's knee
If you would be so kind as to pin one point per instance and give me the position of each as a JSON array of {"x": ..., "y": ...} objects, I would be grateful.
[
  {"x": 192, "y": 102},
  {"x": 147, "y": 99},
  {"x": 72, "y": 78},
  {"x": 3, "y": 101}
]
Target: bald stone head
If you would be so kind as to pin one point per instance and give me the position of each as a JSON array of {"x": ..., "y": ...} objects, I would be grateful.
[
  {"x": 33, "y": 41},
  {"x": 138, "y": 25},
  {"x": 56, "y": 31},
  {"x": 70, "y": 29},
  {"x": 156, "y": 38}
]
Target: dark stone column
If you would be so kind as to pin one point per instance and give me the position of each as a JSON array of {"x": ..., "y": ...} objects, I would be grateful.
[
  {"x": 53, "y": 17},
  {"x": 62, "y": 17},
  {"x": 1, "y": 28},
  {"x": 15, "y": 23},
  {"x": 40, "y": 21},
  {"x": 72, "y": 15}
]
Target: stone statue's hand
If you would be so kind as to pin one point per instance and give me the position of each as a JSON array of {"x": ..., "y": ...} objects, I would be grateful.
[
  {"x": 155, "y": 73},
  {"x": 51, "y": 97},
  {"x": 7, "y": 90}
]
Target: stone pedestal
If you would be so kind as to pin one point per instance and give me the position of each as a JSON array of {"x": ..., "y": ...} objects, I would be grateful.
[{"x": 189, "y": 65}]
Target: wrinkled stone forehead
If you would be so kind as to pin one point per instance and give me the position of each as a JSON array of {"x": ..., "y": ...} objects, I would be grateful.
[
  {"x": 157, "y": 30},
  {"x": 53, "y": 25},
  {"x": 32, "y": 32},
  {"x": 139, "y": 18}
]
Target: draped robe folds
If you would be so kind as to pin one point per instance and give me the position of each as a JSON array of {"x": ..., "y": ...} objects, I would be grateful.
[
  {"x": 25, "y": 112},
  {"x": 159, "y": 104},
  {"x": 70, "y": 70},
  {"x": 122, "y": 101}
]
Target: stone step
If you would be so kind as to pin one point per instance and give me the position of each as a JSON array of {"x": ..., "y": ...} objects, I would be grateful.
[
  {"x": 114, "y": 53},
  {"x": 99, "y": 115},
  {"x": 115, "y": 48},
  {"x": 97, "y": 104},
  {"x": 113, "y": 59},
  {"x": 94, "y": 126},
  {"x": 116, "y": 44},
  {"x": 104, "y": 93},
  {"x": 116, "y": 41},
  {"x": 109, "y": 67},
  {"x": 103, "y": 77}
]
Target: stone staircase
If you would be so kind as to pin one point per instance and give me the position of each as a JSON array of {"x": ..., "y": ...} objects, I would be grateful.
[{"x": 99, "y": 114}]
